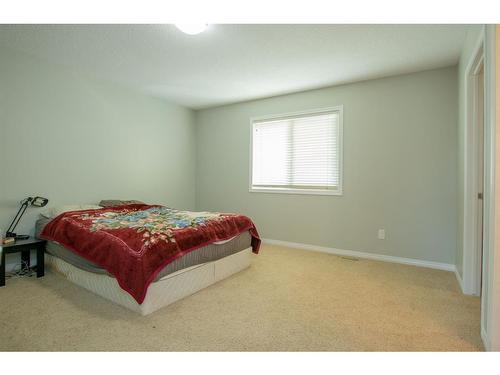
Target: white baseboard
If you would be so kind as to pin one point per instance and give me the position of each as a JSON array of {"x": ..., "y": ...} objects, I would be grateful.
[
  {"x": 459, "y": 279},
  {"x": 484, "y": 337},
  {"x": 364, "y": 255}
]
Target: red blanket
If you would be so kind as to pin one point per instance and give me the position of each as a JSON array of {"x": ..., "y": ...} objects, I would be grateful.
[{"x": 134, "y": 242}]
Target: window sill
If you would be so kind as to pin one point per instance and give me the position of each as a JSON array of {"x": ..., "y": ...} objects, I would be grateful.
[{"x": 295, "y": 191}]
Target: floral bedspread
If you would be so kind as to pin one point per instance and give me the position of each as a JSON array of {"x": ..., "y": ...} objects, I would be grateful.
[{"x": 134, "y": 242}]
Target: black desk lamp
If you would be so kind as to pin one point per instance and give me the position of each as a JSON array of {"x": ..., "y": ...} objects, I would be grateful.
[{"x": 37, "y": 202}]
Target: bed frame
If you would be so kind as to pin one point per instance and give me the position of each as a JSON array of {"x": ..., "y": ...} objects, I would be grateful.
[{"x": 161, "y": 293}]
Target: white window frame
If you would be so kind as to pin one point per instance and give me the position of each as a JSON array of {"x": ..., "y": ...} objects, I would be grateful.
[{"x": 339, "y": 191}]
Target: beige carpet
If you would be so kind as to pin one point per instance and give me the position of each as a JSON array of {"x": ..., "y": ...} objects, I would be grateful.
[{"x": 288, "y": 300}]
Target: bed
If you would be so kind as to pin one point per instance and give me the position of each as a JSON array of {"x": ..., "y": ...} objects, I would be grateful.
[{"x": 145, "y": 257}]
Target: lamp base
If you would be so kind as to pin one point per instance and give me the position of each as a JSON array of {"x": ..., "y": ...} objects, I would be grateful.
[{"x": 17, "y": 236}]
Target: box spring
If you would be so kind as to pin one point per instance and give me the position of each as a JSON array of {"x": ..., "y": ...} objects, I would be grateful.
[{"x": 161, "y": 293}]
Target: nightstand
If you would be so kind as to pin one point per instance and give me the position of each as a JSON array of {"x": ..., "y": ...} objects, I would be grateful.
[{"x": 24, "y": 247}]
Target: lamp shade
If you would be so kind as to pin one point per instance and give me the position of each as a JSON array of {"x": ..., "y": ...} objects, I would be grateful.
[{"x": 39, "y": 202}]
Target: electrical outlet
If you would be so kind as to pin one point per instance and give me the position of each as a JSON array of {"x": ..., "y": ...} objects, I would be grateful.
[{"x": 381, "y": 234}]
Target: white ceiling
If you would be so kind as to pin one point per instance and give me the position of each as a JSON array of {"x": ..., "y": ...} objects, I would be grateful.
[{"x": 231, "y": 63}]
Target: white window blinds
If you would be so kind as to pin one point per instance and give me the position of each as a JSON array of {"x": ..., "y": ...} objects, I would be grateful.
[{"x": 297, "y": 153}]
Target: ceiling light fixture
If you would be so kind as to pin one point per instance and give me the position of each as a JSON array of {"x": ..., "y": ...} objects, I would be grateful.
[{"x": 191, "y": 28}]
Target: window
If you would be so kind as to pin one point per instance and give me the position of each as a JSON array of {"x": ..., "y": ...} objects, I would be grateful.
[{"x": 298, "y": 153}]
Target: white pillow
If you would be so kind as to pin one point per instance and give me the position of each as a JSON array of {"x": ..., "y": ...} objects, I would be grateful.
[{"x": 56, "y": 211}]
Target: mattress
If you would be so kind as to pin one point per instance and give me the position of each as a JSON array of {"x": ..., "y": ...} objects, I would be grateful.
[{"x": 202, "y": 255}]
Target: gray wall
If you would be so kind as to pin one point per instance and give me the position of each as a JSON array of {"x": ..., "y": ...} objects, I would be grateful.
[
  {"x": 77, "y": 140},
  {"x": 400, "y": 168},
  {"x": 74, "y": 140}
]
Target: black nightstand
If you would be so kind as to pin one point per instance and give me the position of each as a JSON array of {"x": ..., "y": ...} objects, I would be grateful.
[{"x": 24, "y": 247}]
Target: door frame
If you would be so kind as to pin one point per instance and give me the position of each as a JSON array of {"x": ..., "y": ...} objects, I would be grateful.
[
  {"x": 490, "y": 292},
  {"x": 471, "y": 253}
]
